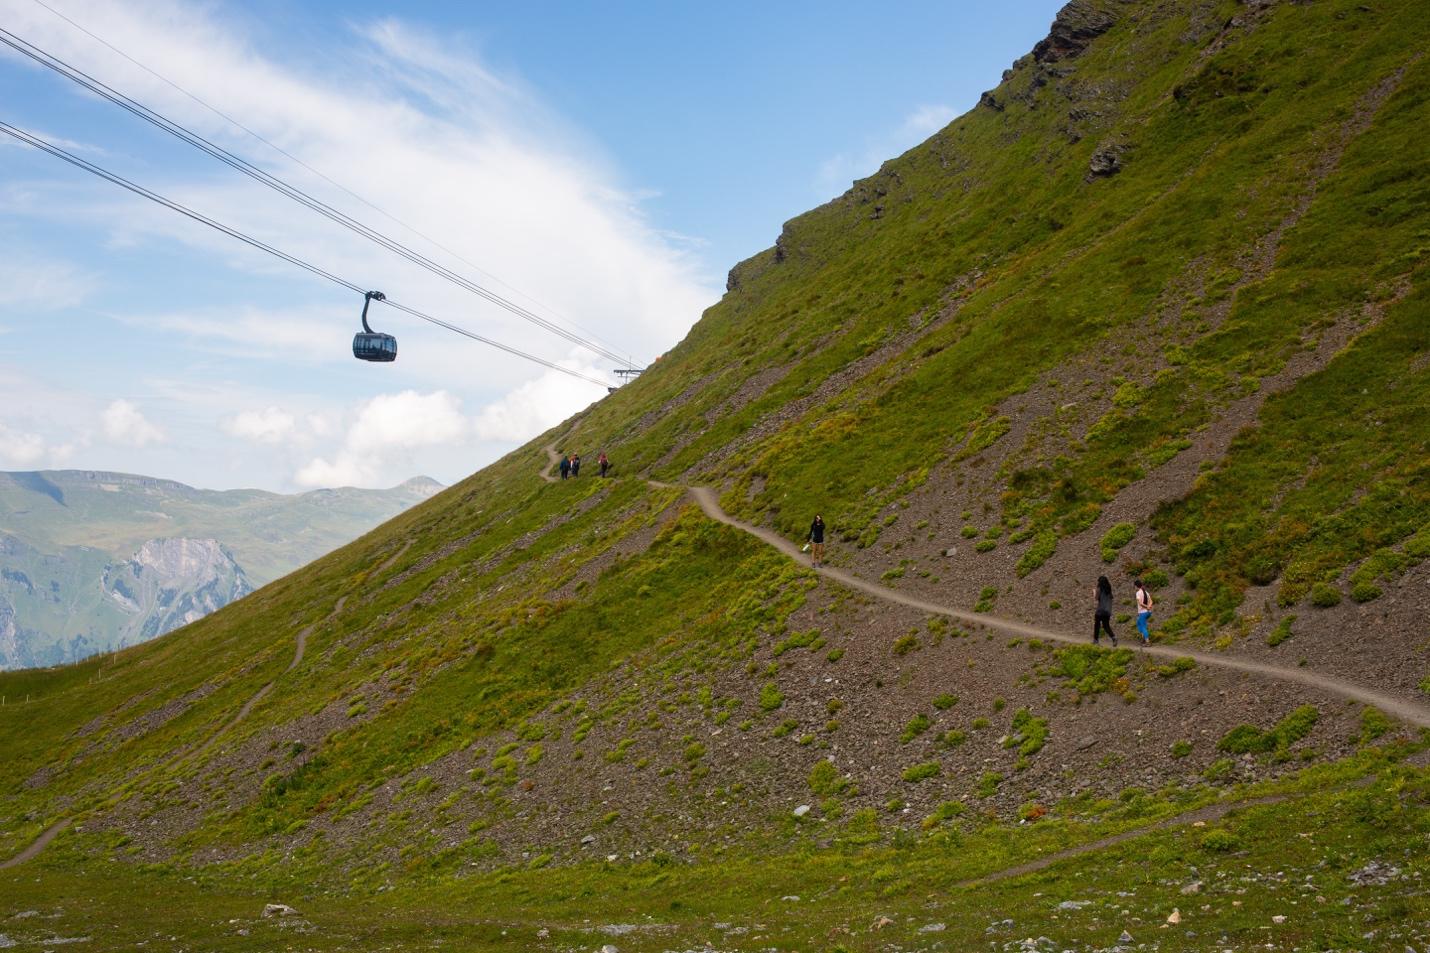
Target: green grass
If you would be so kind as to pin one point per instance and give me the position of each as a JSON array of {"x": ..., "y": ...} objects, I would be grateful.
[
  {"x": 1282, "y": 632},
  {"x": 1245, "y": 739},
  {"x": 861, "y": 876}
]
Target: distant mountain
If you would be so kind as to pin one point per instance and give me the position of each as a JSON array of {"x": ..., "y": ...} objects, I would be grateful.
[{"x": 91, "y": 561}]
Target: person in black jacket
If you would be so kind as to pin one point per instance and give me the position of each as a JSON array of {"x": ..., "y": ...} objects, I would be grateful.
[
  {"x": 1102, "y": 617},
  {"x": 816, "y": 541}
]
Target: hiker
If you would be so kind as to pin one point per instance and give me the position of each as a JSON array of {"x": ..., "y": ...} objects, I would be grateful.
[
  {"x": 575, "y": 465},
  {"x": 1144, "y": 612},
  {"x": 816, "y": 541},
  {"x": 1102, "y": 618},
  {"x": 565, "y": 467},
  {"x": 603, "y": 463}
]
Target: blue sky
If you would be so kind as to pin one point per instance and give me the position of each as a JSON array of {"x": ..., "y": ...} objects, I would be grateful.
[{"x": 604, "y": 164}]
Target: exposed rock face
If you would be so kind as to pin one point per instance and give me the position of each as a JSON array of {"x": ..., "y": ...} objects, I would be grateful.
[
  {"x": 172, "y": 582},
  {"x": 1076, "y": 25},
  {"x": 9, "y": 631}
]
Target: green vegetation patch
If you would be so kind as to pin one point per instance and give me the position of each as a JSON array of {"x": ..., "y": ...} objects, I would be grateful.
[
  {"x": 922, "y": 772},
  {"x": 1091, "y": 670},
  {"x": 1115, "y": 539},
  {"x": 1282, "y": 632},
  {"x": 917, "y": 725},
  {"x": 1246, "y": 739},
  {"x": 1029, "y": 734}
]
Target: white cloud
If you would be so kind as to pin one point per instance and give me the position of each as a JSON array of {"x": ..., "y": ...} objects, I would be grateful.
[
  {"x": 320, "y": 424},
  {"x": 20, "y": 449},
  {"x": 346, "y": 470},
  {"x": 125, "y": 424},
  {"x": 472, "y": 147},
  {"x": 385, "y": 426},
  {"x": 26, "y": 449},
  {"x": 534, "y": 406},
  {"x": 406, "y": 420},
  {"x": 269, "y": 425}
]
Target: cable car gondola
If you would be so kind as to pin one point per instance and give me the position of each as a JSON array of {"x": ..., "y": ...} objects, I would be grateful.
[{"x": 370, "y": 345}]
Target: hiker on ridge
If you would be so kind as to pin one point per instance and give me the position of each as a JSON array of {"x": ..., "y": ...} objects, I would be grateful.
[
  {"x": 603, "y": 463},
  {"x": 565, "y": 467},
  {"x": 816, "y": 541},
  {"x": 1144, "y": 612},
  {"x": 575, "y": 464},
  {"x": 1102, "y": 618}
]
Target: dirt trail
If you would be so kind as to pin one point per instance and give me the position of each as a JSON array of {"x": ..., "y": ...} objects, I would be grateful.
[
  {"x": 39, "y": 844},
  {"x": 552, "y": 460},
  {"x": 387, "y": 563},
  {"x": 1211, "y": 812},
  {"x": 1403, "y": 709},
  {"x": 299, "y": 649}
]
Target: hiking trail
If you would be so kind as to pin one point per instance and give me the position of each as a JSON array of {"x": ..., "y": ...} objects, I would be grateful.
[
  {"x": 1401, "y": 708},
  {"x": 299, "y": 649},
  {"x": 705, "y": 497}
]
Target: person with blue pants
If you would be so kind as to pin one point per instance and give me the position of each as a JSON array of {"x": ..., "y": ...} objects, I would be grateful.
[{"x": 1144, "y": 611}]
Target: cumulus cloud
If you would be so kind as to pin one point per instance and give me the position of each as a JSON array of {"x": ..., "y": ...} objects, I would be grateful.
[
  {"x": 124, "y": 424},
  {"x": 346, "y": 470},
  {"x": 384, "y": 426},
  {"x": 20, "y": 449},
  {"x": 270, "y": 425},
  {"x": 406, "y": 420},
  {"x": 26, "y": 449},
  {"x": 534, "y": 406}
]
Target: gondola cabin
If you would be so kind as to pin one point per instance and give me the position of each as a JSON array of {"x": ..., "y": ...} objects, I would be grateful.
[
  {"x": 374, "y": 346},
  {"x": 370, "y": 345}
]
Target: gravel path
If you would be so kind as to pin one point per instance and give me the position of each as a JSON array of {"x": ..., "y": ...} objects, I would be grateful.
[
  {"x": 1401, "y": 708},
  {"x": 40, "y": 844},
  {"x": 299, "y": 649}
]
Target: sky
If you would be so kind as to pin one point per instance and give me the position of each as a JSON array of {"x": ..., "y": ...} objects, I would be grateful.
[{"x": 602, "y": 165}]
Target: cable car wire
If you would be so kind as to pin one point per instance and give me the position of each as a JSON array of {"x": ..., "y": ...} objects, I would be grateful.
[
  {"x": 45, "y": 146},
  {"x": 317, "y": 172},
  {"x": 242, "y": 165}
]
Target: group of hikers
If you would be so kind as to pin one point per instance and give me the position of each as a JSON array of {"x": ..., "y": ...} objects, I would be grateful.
[
  {"x": 570, "y": 465},
  {"x": 1102, "y": 615},
  {"x": 1101, "y": 593}
]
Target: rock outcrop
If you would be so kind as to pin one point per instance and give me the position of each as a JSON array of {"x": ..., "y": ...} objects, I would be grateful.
[{"x": 1076, "y": 25}]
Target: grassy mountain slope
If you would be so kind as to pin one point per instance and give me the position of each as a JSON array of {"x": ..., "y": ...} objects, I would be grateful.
[{"x": 1156, "y": 306}]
